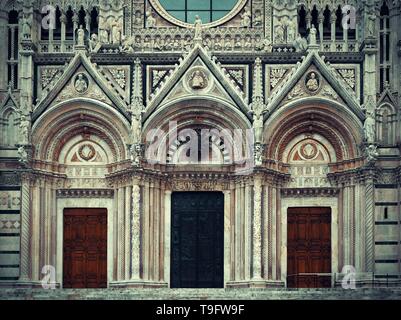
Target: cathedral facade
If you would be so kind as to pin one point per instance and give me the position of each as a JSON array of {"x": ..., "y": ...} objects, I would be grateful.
[{"x": 200, "y": 144}]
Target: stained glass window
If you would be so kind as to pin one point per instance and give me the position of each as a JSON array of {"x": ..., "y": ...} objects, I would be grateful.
[{"x": 207, "y": 10}]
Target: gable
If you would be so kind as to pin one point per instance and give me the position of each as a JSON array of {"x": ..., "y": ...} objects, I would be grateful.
[
  {"x": 68, "y": 85},
  {"x": 332, "y": 86},
  {"x": 197, "y": 74}
]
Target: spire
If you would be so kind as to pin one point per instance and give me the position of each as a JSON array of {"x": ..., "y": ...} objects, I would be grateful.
[{"x": 137, "y": 97}]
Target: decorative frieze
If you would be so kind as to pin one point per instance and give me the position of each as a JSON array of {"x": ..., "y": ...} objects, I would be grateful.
[
  {"x": 310, "y": 192},
  {"x": 85, "y": 193}
]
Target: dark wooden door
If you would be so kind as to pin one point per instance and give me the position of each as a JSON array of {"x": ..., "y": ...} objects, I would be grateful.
[
  {"x": 197, "y": 239},
  {"x": 309, "y": 248},
  {"x": 85, "y": 248}
]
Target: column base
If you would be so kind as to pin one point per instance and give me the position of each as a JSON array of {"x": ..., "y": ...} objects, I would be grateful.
[
  {"x": 256, "y": 284},
  {"x": 141, "y": 284}
]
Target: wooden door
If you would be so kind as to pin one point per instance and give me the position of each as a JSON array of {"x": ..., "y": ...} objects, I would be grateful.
[
  {"x": 85, "y": 248},
  {"x": 309, "y": 248},
  {"x": 197, "y": 239}
]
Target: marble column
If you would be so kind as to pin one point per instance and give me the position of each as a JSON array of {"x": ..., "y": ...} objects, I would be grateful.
[
  {"x": 3, "y": 51},
  {"x": 369, "y": 224},
  {"x": 26, "y": 229},
  {"x": 136, "y": 231},
  {"x": 257, "y": 228},
  {"x": 167, "y": 235}
]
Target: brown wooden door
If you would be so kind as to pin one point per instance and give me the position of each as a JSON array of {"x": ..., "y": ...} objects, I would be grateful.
[
  {"x": 309, "y": 248},
  {"x": 85, "y": 248}
]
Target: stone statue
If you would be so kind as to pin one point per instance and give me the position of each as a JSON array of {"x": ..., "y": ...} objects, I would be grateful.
[
  {"x": 312, "y": 84},
  {"x": 136, "y": 154},
  {"x": 257, "y": 20},
  {"x": 150, "y": 20},
  {"x": 371, "y": 24},
  {"x": 24, "y": 130},
  {"x": 371, "y": 153},
  {"x": 94, "y": 44},
  {"x": 81, "y": 36},
  {"x": 258, "y": 154},
  {"x": 198, "y": 80},
  {"x": 23, "y": 155},
  {"x": 136, "y": 126},
  {"x": 127, "y": 43},
  {"x": 258, "y": 110},
  {"x": 116, "y": 32},
  {"x": 26, "y": 28},
  {"x": 198, "y": 29},
  {"x": 300, "y": 44},
  {"x": 291, "y": 29},
  {"x": 279, "y": 33},
  {"x": 104, "y": 36},
  {"x": 369, "y": 128},
  {"x": 246, "y": 18},
  {"x": 312, "y": 36}
]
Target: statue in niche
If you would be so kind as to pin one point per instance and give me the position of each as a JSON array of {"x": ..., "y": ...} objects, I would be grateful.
[
  {"x": 158, "y": 44},
  {"x": 257, "y": 20},
  {"x": 150, "y": 19},
  {"x": 103, "y": 31},
  {"x": 138, "y": 18},
  {"x": 198, "y": 29},
  {"x": 26, "y": 28},
  {"x": 246, "y": 18},
  {"x": 116, "y": 32},
  {"x": 81, "y": 83},
  {"x": 312, "y": 82},
  {"x": 291, "y": 30},
  {"x": 81, "y": 36},
  {"x": 279, "y": 33},
  {"x": 369, "y": 127},
  {"x": 371, "y": 24},
  {"x": 198, "y": 80}
]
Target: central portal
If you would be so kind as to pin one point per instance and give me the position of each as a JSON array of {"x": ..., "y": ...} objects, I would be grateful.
[{"x": 197, "y": 239}]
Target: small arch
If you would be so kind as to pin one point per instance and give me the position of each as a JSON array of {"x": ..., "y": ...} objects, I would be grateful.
[
  {"x": 386, "y": 123},
  {"x": 302, "y": 27}
]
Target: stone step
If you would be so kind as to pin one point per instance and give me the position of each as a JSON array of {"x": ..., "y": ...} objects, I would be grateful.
[{"x": 200, "y": 294}]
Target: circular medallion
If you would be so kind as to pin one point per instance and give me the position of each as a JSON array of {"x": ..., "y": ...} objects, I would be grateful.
[
  {"x": 81, "y": 83},
  {"x": 87, "y": 152},
  {"x": 312, "y": 82},
  {"x": 197, "y": 79},
  {"x": 308, "y": 151}
]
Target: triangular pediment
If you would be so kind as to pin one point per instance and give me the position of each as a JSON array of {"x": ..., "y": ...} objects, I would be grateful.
[
  {"x": 197, "y": 75},
  {"x": 9, "y": 101},
  {"x": 80, "y": 79},
  {"x": 387, "y": 97},
  {"x": 314, "y": 78}
]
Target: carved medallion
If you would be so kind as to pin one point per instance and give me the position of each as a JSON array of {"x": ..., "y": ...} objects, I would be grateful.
[
  {"x": 87, "y": 152},
  {"x": 198, "y": 80},
  {"x": 81, "y": 83},
  {"x": 312, "y": 82},
  {"x": 308, "y": 151}
]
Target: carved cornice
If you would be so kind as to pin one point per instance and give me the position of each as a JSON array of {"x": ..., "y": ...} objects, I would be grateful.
[
  {"x": 85, "y": 193},
  {"x": 310, "y": 192}
]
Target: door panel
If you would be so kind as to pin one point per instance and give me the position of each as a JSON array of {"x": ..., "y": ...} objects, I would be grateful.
[
  {"x": 197, "y": 236},
  {"x": 85, "y": 248},
  {"x": 309, "y": 247}
]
